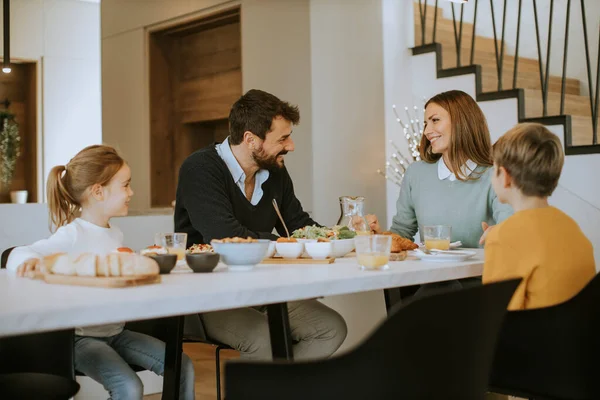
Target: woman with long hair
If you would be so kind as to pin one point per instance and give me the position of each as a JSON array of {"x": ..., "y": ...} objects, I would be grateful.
[{"x": 452, "y": 183}]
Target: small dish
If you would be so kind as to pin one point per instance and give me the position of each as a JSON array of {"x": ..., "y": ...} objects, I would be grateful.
[
  {"x": 319, "y": 251},
  {"x": 272, "y": 249},
  {"x": 341, "y": 247},
  {"x": 445, "y": 256},
  {"x": 166, "y": 262},
  {"x": 290, "y": 250},
  {"x": 202, "y": 262}
]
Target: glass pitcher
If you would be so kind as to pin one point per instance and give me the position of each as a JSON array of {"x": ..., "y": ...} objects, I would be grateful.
[{"x": 352, "y": 214}]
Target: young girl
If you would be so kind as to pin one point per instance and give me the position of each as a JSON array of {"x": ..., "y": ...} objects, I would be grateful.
[{"x": 96, "y": 182}]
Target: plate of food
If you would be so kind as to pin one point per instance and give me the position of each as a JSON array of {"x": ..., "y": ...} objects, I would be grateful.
[
  {"x": 341, "y": 238},
  {"x": 453, "y": 245},
  {"x": 444, "y": 255}
]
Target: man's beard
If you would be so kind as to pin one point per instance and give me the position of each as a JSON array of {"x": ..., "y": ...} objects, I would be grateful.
[{"x": 269, "y": 163}]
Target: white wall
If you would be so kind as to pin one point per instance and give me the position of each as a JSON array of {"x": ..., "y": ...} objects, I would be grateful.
[
  {"x": 63, "y": 36},
  {"x": 22, "y": 224},
  {"x": 348, "y": 129},
  {"x": 576, "y": 67},
  {"x": 347, "y": 104},
  {"x": 280, "y": 64},
  {"x": 275, "y": 57},
  {"x": 398, "y": 32}
]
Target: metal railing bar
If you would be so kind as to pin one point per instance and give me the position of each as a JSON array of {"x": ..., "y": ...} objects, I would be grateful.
[
  {"x": 595, "y": 113},
  {"x": 564, "y": 68},
  {"x": 537, "y": 36},
  {"x": 502, "y": 47},
  {"x": 548, "y": 54},
  {"x": 422, "y": 21},
  {"x": 589, "y": 70},
  {"x": 473, "y": 37},
  {"x": 517, "y": 47},
  {"x": 435, "y": 21},
  {"x": 456, "y": 42},
  {"x": 495, "y": 39}
]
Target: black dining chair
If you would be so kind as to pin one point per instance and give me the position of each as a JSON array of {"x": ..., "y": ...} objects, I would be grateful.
[
  {"x": 41, "y": 364},
  {"x": 552, "y": 352},
  {"x": 435, "y": 347},
  {"x": 193, "y": 332},
  {"x": 38, "y": 366},
  {"x": 4, "y": 257}
]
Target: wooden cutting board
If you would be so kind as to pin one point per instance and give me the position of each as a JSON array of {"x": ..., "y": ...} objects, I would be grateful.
[
  {"x": 109, "y": 282},
  {"x": 279, "y": 260},
  {"x": 399, "y": 256}
]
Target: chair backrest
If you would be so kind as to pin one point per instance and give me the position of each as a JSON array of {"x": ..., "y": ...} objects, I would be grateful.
[
  {"x": 48, "y": 353},
  {"x": 4, "y": 257},
  {"x": 551, "y": 352},
  {"x": 439, "y": 346}
]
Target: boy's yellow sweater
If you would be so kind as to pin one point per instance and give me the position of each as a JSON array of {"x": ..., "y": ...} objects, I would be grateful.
[{"x": 546, "y": 248}]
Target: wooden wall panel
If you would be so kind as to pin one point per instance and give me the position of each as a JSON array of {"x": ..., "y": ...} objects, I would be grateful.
[
  {"x": 195, "y": 77},
  {"x": 19, "y": 88},
  {"x": 31, "y": 164},
  {"x": 162, "y": 130},
  {"x": 209, "y": 98},
  {"x": 211, "y": 51}
]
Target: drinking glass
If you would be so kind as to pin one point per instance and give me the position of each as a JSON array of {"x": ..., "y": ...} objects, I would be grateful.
[
  {"x": 175, "y": 243},
  {"x": 437, "y": 237},
  {"x": 373, "y": 251}
]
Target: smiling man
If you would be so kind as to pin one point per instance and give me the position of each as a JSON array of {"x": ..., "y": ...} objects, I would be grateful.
[{"x": 227, "y": 190}]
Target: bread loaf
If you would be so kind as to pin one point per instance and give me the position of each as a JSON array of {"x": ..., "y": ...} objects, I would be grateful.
[
  {"x": 400, "y": 244},
  {"x": 88, "y": 264}
]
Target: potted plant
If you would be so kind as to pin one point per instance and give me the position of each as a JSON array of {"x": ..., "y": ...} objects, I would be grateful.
[{"x": 10, "y": 150}]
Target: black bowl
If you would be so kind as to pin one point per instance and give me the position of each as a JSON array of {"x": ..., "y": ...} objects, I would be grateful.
[
  {"x": 202, "y": 262},
  {"x": 166, "y": 262}
]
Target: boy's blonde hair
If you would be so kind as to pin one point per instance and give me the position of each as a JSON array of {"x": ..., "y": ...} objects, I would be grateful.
[
  {"x": 67, "y": 184},
  {"x": 533, "y": 157}
]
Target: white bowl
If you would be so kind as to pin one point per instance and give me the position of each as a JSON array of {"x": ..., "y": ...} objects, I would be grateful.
[
  {"x": 242, "y": 256},
  {"x": 341, "y": 247},
  {"x": 318, "y": 251},
  {"x": 272, "y": 249},
  {"x": 305, "y": 241},
  {"x": 290, "y": 250}
]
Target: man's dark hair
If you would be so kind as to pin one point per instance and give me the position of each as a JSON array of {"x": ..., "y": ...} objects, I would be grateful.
[{"x": 255, "y": 111}]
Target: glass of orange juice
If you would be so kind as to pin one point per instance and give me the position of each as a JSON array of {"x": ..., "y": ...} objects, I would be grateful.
[
  {"x": 175, "y": 243},
  {"x": 373, "y": 251},
  {"x": 437, "y": 237}
]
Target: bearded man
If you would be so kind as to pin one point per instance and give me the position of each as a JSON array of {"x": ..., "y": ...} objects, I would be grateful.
[{"x": 227, "y": 190}]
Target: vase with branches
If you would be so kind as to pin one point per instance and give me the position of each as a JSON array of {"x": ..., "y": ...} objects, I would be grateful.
[{"x": 10, "y": 149}]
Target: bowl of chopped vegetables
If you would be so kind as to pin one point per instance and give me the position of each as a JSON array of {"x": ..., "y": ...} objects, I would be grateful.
[{"x": 341, "y": 238}]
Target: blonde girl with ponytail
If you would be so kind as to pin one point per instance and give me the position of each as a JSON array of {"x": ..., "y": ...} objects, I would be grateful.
[{"x": 83, "y": 196}]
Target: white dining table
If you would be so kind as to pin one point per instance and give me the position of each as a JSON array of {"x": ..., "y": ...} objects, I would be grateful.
[{"x": 32, "y": 306}]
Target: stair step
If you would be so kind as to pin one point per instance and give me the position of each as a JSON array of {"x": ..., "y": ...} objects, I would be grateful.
[
  {"x": 527, "y": 80},
  {"x": 574, "y": 104},
  {"x": 582, "y": 130},
  {"x": 528, "y": 76}
]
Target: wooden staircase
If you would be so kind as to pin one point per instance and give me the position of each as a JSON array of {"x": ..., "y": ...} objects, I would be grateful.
[{"x": 528, "y": 78}]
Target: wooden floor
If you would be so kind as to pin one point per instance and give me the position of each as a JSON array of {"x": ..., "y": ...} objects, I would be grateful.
[{"x": 203, "y": 356}]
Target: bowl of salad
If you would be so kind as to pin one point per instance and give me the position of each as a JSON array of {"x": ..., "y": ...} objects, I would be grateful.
[{"x": 341, "y": 238}]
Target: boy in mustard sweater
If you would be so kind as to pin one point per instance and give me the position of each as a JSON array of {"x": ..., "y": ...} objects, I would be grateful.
[{"x": 539, "y": 243}]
